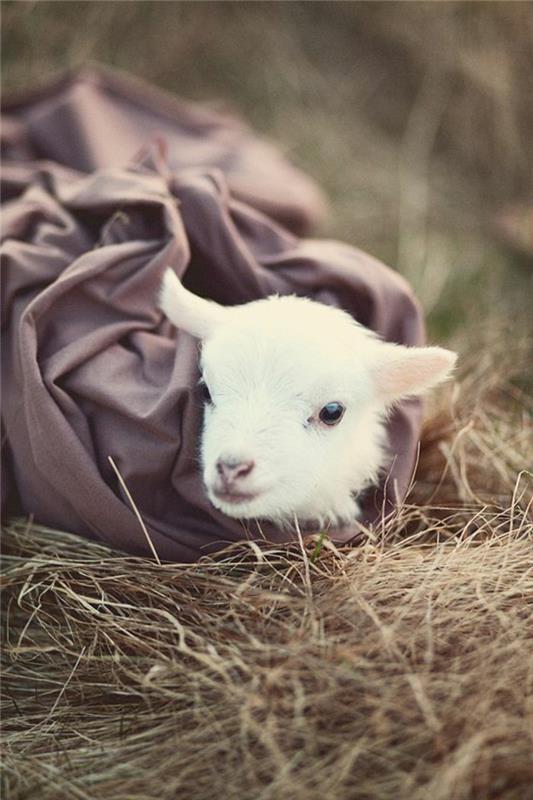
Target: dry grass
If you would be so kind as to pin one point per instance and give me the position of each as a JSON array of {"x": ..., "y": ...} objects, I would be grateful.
[
  {"x": 386, "y": 672},
  {"x": 397, "y": 670},
  {"x": 402, "y": 668}
]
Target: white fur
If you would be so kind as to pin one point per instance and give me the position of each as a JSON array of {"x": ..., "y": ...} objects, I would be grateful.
[{"x": 270, "y": 366}]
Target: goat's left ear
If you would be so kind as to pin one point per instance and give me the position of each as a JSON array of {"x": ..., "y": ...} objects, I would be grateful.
[
  {"x": 400, "y": 371},
  {"x": 186, "y": 310}
]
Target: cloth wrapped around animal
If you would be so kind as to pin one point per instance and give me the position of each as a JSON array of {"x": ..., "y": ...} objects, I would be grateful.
[{"x": 91, "y": 367}]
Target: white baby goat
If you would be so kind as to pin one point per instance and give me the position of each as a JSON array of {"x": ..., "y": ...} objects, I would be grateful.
[{"x": 297, "y": 395}]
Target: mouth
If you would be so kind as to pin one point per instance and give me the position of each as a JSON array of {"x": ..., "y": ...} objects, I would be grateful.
[{"x": 234, "y": 498}]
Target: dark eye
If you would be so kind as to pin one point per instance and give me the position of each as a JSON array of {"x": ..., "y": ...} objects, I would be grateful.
[
  {"x": 206, "y": 394},
  {"x": 331, "y": 413}
]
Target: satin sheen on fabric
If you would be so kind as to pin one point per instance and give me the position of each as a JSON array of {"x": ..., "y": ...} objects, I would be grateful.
[{"x": 106, "y": 182}]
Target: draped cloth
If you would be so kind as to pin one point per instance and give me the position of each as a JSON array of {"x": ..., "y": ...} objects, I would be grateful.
[{"x": 106, "y": 181}]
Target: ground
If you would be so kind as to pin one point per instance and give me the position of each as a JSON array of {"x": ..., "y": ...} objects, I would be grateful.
[{"x": 398, "y": 669}]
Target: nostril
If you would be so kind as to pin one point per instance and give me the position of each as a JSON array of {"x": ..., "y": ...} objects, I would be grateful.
[
  {"x": 244, "y": 469},
  {"x": 230, "y": 469}
]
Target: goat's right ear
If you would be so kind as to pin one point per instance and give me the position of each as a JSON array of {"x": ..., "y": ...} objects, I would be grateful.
[
  {"x": 400, "y": 371},
  {"x": 187, "y": 311}
]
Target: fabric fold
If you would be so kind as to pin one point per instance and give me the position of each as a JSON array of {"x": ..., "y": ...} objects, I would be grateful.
[{"x": 90, "y": 368}]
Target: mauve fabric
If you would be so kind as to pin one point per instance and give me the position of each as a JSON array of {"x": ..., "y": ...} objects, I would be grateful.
[
  {"x": 99, "y": 118},
  {"x": 90, "y": 368}
]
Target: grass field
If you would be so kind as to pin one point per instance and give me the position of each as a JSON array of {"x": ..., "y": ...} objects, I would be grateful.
[{"x": 398, "y": 670}]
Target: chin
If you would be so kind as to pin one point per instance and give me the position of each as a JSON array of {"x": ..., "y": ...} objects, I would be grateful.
[
  {"x": 256, "y": 508},
  {"x": 268, "y": 507},
  {"x": 245, "y": 509}
]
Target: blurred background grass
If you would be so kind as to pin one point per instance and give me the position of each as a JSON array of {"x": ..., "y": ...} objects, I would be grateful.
[{"x": 415, "y": 118}]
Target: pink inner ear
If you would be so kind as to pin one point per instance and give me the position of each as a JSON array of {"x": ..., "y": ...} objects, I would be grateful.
[{"x": 403, "y": 371}]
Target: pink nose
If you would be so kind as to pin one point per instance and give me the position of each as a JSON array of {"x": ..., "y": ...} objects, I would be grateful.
[{"x": 231, "y": 469}]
